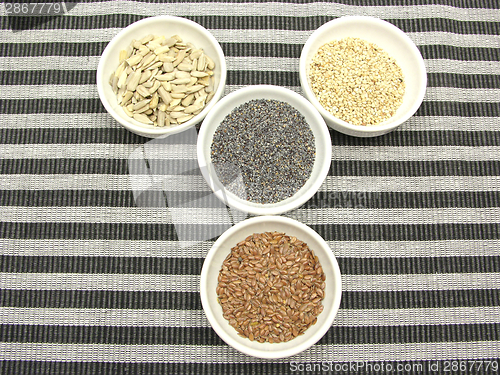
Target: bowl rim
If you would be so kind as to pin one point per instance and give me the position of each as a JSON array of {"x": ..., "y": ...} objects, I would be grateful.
[
  {"x": 321, "y": 330},
  {"x": 375, "y": 129},
  {"x": 143, "y": 129},
  {"x": 292, "y": 202}
]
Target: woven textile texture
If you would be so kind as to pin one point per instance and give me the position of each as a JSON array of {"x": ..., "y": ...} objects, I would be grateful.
[{"x": 96, "y": 279}]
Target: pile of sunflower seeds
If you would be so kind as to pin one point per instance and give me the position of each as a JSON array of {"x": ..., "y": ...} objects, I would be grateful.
[
  {"x": 357, "y": 81},
  {"x": 163, "y": 81},
  {"x": 269, "y": 146},
  {"x": 271, "y": 287}
]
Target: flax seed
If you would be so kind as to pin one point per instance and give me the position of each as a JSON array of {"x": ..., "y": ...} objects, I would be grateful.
[{"x": 265, "y": 306}]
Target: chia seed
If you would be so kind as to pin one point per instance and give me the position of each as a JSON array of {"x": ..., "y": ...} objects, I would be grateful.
[{"x": 263, "y": 151}]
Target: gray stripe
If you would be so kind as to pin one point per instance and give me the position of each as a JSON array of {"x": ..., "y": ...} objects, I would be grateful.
[
  {"x": 212, "y": 354},
  {"x": 90, "y": 92},
  {"x": 287, "y": 9},
  {"x": 196, "y": 318},
  {"x": 243, "y": 36},
  {"x": 190, "y": 283},
  {"x": 104, "y": 120},
  {"x": 188, "y": 151},
  {"x": 219, "y": 215},
  {"x": 192, "y": 249},
  {"x": 197, "y": 183},
  {"x": 235, "y": 63}
]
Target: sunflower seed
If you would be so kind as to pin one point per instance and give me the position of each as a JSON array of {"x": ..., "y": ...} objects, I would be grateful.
[
  {"x": 161, "y": 49},
  {"x": 188, "y": 100},
  {"x": 210, "y": 63},
  {"x": 165, "y": 77},
  {"x": 155, "y": 86},
  {"x": 181, "y": 74},
  {"x": 121, "y": 68},
  {"x": 142, "y": 118},
  {"x": 160, "y": 78},
  {"x": 198, "y": 74},
  {"x": 165, "y": 58},
  {"x": 122, "y": 79},
  {"x": 185, "y": 67},
  {"x": 161, "y": 118},
  {"x": 184, "y": 119},
  {"x": 195, "y": 54},
  {"x": 195, "y": 88},
  {"x": 147, "y": 38},
  {"x": 181, "y": 81},
  {"x": 143, "y": 91},
  {"x": 180, "y": 88},
  {"x": 180, "y": 56},
  {"x": 170, "y": 42},
  {"x": 141, "y": 104},
  {"x": 145, "y": 76},
  {"x": 134, "y": 80},
  {"x": 192, "y": 108},
  {"x": 202, "y": 63}
]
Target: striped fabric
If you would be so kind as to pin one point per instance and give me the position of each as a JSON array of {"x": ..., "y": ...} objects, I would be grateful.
[{"x": 95, "y": 282}]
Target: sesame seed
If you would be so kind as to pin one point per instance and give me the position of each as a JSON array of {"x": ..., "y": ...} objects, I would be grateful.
[{"x": 356, "y": 81}]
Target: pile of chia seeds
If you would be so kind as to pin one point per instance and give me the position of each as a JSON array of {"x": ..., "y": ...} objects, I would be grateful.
[{"x": 263, "y": 151}]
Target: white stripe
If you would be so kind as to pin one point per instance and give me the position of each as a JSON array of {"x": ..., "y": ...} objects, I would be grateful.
[
  {"x": 103, "y": 120},
  {"x": 49, "y": 91},
  {"x": 414, "y": 153},
  {"x": 196, "y": 318},
  {"x": 462, "y": 67},
  {"x": 110, "y": 248},
  {"x": 58, "y": 121},
  {"x": 96, "y": 151},
  {"x": 188, "y": 151},
  {"x": 424, "y": 249},
  {"x": 197, "y": 183},
  {"x": 453, "y": 39},
  {"x": 287, "y": 64},
  {"x": 199, "y": 249},
  {"x": 352, "y": 211},
  {"x": 331, "y": 353},
  {"x": 95, "y": 182},
  {"x": 240, "y": 36},
  {"x": 454, "y": 94},
  {"x": 436, "y": 123},
  {"x": 410, "y": 184},
  {"x": 392, "y": 216},
  {"x": 286, "y": 9},
  {"x": 130, "y": 215},
  {"x": 190, "y": 283},
  {"x": 283, "y": 9},
  {"x": 90, "y": 92}
]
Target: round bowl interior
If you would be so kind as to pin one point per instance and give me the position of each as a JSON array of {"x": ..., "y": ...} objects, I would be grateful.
[
  {"x": 391, "y": 39},
  {"x": 210, "y": 272},
  {"x": 313, "y": 118},
  {"x": 167, "y": 26}
]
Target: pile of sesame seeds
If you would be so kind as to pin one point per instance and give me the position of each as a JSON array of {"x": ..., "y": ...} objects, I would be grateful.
[
  {"x": 268, "y": 145},
  {"x": 356, "y": 81}
]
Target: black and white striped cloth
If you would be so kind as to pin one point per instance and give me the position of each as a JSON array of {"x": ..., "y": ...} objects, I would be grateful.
[{"x": 92, "y": 282}]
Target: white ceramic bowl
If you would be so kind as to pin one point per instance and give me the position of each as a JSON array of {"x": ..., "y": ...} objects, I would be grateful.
[
  {"x": 391, "y": 39},
  {"x": 168, "y": 26},
  {"x": 317, "y": 124},
  {"x": 213, "y": 263}
]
